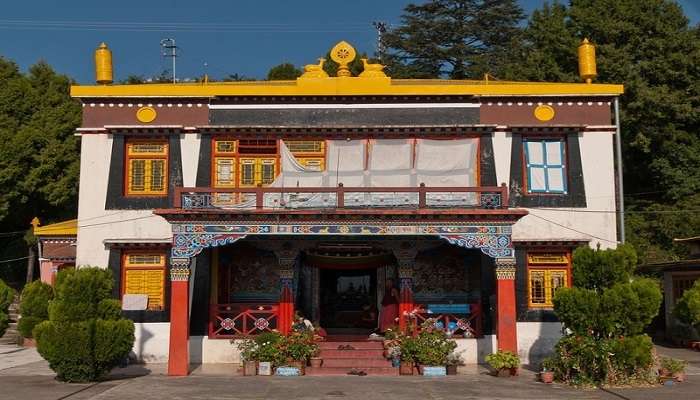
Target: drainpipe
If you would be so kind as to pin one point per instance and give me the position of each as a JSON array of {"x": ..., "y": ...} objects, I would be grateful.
[{"x": 620, "y": 188}]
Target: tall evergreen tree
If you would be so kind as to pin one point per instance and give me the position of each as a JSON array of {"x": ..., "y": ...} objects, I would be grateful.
[{"x": 452, "y": 38}]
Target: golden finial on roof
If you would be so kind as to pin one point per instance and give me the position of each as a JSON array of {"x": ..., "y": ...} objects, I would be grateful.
[
  {"x": 315, "y": 70},
  {"x": 343, "y": 53},
  {"x": 103, "y": 65},
  {"x": 35, "y": 222},
  {"x": 372, "y": 70},
  {"x": 586, "y": 61}
]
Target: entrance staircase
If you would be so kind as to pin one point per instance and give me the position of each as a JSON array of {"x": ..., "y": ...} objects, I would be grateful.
[
  {"x": 352, "y": 356},
  {"x": 11, "y": 335}
]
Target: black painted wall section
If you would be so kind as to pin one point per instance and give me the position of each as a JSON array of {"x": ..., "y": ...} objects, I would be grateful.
[
  {"x": 576, "y": 196},
  {"x": 199, "y": 315},
  {"x": 488, "y": 293},
  {"x": 204, "y": 163},
  {"x": 379, "y": 117},
  {"x": 116, "y": 200},
  {"x": 487, "y": 163},
  {"x": 524, "y": 314},
  {"x": 115, "y": 265}
]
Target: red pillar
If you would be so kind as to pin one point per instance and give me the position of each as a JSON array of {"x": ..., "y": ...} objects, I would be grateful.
[
  {"x": 179, "y": 351},
  {"x": 506, "y": 327},
  {"x": 405, "y": 302},
  {"x": 286, "y": 305}
]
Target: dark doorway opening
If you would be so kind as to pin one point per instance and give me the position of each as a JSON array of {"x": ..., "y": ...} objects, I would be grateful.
[{"x": 348, "y": 300}]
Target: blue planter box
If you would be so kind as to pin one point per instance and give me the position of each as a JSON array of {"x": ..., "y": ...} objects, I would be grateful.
[
  {"x": 287, "y": 371},
  {"x": 434, "y": 371}
]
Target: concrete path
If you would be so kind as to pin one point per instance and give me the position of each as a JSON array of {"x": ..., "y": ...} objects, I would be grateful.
[
  {"x": 34, "y": 380},
  {"x": 13, "y": 356}
]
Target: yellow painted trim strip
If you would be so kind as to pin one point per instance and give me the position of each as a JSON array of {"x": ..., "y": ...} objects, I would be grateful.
[{"x": 347, "y": 87}]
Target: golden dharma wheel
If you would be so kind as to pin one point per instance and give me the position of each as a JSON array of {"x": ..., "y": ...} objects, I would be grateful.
[
  {"x": 343, "y": 53},
  {"x": 103, "y": 65},
  {"x": 586, "y": 61}
]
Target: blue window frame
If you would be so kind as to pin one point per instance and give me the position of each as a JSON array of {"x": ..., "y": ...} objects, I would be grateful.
[{"x": 545, "y": 160}]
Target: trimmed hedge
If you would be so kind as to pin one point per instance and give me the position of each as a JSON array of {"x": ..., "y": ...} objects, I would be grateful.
[
  {"x": 6, "y": 297},
  {"x": 85, "y": 336},
  {"x": 34, "y": 306}
]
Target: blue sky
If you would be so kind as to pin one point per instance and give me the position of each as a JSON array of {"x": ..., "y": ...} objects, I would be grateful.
[{"x": 234, "y": 36}]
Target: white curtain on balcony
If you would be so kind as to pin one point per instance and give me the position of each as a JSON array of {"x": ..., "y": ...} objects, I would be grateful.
[{"x": 381, "y": 163}]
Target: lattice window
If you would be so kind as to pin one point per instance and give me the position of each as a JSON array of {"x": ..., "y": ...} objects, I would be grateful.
[
  {"x": 545, "y": 162},
  {"x": 225, "y": 146},
  {"x": 144, "y": 273},
  {"x": 254, "y": 171},
  {"x": 543, "y": 285},
  {"x": 225, "y": 172},
  {"x": 147, "y": 168}
]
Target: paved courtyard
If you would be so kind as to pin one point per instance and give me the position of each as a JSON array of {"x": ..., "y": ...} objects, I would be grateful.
[{"x": 23, "y": 375}]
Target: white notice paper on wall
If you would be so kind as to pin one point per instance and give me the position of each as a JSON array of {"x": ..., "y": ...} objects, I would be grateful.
[{"x": 134, "y": 302}]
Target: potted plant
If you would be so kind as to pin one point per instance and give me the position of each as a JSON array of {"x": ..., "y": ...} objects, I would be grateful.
[
  {"x": 547, "y": 370},
  {"x": 672, "y": 367},
  {"x": 248, "y": 349},
  {"x": 268, "y": 351},
  {"x": 433, "y": 348},
  {"x": 504, "y": 363},
  {"x": 315, "y": 360},
  {"x": 395, "y": 356},
  {"x": 297, "y": 348},
  {"x": 453, "y": 361},
  {"x": 408, "y": 349}
]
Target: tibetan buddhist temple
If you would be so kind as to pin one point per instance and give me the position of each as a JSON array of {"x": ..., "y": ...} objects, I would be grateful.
[{"x": 224, "y": 208}]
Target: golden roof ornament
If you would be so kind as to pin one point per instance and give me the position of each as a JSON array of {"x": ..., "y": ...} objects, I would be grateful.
[
  {"x": 372, "y": 70},
  {"x": 103, "y": 65},
  {"x": 315, "y": 70},
  {"x": 343, "y": 53},
  {"x": 586, "y": 61}
]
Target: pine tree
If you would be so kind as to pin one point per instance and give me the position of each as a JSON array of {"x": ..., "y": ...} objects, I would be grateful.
[{"x": 452, "y": 38}]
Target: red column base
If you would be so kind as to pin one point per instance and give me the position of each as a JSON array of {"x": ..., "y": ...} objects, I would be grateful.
[
  {"x": 179, "y": 351},
  {"x": 506, "y": 329}
]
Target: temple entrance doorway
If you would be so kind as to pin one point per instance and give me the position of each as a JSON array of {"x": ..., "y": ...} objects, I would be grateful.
[
  {"x": 348, "y": 300},
  {"x": 346, "y": 283}
]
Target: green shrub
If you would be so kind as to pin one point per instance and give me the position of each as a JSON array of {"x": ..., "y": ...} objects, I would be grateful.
[
  {"x": 672, "y": 365},
  {"x": 580, "y": 359},
  {"x": 34, "y": 306},
  {"x": 687, "y": 310},
  {"x": 6, "y": 297},
  {"x": 85, "y": 337},
  {"x": 433, "y": 347},
  {"x": 409, "y": 349},
  {"x": 631, "y": 358},
  {"x": 599, "y": 269},
  {"x": 503, "y": 360}
]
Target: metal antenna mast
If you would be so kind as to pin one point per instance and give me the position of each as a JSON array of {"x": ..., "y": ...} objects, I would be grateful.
[
  {"x": 170, "y": 50},
  {"x": 381, "y": 27}
]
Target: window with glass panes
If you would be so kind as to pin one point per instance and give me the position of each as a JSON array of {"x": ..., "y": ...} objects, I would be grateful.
[
  {"x": 545, "y": 163},
  {"x": 143, "y": 272},
  {"x": 147, "y": 167}
]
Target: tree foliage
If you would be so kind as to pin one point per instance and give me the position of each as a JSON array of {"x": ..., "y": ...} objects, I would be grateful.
[
  {"x": 6, "y": 297},
  {"x": 34, "y": 306},
  {"x": 283, "y": 72},
  {"x": 598, "y": 269},
  {"x": 454, "y": 38},
  {"x": 85, "y": 336},
  {"x": 687, "y": 310},
  {"x": 649, "y": 46}
]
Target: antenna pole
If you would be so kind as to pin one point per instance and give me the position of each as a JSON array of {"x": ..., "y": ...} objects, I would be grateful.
[
  {"x": 170, "y": 50},
  {"x": 381, "y": 27}
]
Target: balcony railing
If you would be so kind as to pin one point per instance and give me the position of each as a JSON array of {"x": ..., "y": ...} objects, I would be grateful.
[
  {"x": 239, "y": 319},
  {"x": 454, "y": 319},
  {"x": 487, "y": 197}
]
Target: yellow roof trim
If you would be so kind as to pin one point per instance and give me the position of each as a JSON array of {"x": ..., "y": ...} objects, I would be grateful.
[
  {"x": 64, "y": 228},
  {"x": 349, "y": 86}
]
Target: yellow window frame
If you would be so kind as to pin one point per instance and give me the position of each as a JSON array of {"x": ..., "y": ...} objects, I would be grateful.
[
  {"x": 219, "y": 163},
  {"x": 143, "y": 157},
  {"x": 257, "y": 164},
  {"x": 548, "y": 275},
  {"x": 144, "y": 273}
]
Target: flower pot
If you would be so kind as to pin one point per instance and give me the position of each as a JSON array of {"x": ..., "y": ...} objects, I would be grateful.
[
  {"x": 395, "y": 362},
  {"x": 547, "y": 376},
  {"x": 451, "y": 370},
  {"x": 250, "y": 368},
  {"x": 513, "y": 371},
  {"x": 299, "y": 365},
  {"x": 28, "y": 342},
  {"x": 664, "y": 372},
  {"x": 406, "y": 368},
  {"x": 316, "y": 362},
  {"x": 679, "y": 376},
  {"x": 265, "y": 368},
  {"x": 429, "y": 370}
]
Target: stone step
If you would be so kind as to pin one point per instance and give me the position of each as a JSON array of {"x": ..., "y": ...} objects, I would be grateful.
[
  {"x": 356, "y": 363},
  {"x": 334, "y": 353},
  {"x": 372, "y": 371},
  {"x": 367, "y": 345}
]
